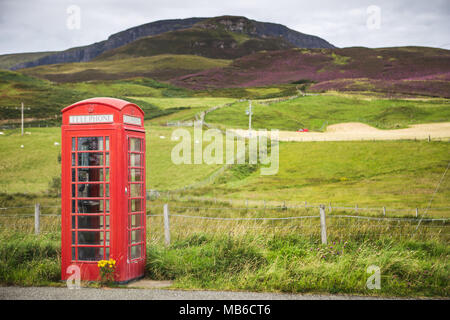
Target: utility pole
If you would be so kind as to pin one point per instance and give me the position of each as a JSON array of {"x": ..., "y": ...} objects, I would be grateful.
[
  {"x": 250, "y": 120},
  {"x": 22, "y": 118}
]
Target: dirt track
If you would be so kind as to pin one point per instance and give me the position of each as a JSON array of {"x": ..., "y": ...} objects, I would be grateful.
[{"x": 360, "y": 131}]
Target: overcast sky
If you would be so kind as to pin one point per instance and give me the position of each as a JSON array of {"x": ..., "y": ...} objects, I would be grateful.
[{"x": 46, "y": 25}]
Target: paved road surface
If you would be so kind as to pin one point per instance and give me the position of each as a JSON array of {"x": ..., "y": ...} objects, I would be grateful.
[{"x": 52, "y": 293}]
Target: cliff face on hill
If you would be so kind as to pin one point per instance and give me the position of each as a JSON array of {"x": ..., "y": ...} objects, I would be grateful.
[
  {"x": 229, "y": 23},
  {"x": 89, "y": 52},
  {"x": 265, "y": 29},
  {"x": 198, "y": 41}
]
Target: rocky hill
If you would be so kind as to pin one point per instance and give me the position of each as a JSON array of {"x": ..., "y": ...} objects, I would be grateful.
[
  {"x": 10, "y": 60},
  {"x": 230, "y": 23},
  {"x": 87, "y": 53},
  {"x": 205, "y": 42},
  {"x": 264, "y": 29}
]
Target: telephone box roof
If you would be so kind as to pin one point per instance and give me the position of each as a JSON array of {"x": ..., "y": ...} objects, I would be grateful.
[{"x": 118, "y": 104}]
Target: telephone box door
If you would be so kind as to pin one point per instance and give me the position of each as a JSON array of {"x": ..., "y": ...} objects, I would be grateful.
[{"x": 136, "y": 201}]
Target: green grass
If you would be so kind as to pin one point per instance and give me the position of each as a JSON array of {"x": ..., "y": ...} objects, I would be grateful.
[
  {"x": 296, "y": 265},
  {"x": 41, "y": 97},
  {"x": 288, "y": 263},
  {"x": 162, "y": 173},
  {"x": 186, "y": 108},
  {"x": 29, "y": 260},
  {"x": 340, "y": 60},
  {"x": 264, "y": 256},
  {"x": 395, "y": 174},
  {"x": 125, "y": 67},
  {"x": 314, "y": 112},
  {"x": 44, "y": 100},
  {"x": 266, "y": 92},
  {"x": 134, "y": 87},
  {"x": 202, "y": 103},
  {"x": 400, "y": 174},
  {"x": 269, "y": 256},
  {"x": 32, "y": 168}
]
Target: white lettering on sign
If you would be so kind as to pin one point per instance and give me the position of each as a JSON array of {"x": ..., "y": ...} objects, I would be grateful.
[
  {"x": 132, "y": 120},
  {"x": 92, "y": 118}
]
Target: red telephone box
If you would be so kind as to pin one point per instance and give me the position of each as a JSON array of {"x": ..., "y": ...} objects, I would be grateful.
[{"x": 103, "y": 188}]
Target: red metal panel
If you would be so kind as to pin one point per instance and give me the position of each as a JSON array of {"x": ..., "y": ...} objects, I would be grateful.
[
  {"x": 115, "y": 119},
  {"x": 136, "y": 202}
]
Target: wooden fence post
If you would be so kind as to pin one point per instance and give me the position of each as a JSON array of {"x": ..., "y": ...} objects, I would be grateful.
[
  {"x": 166, "y": 225},
  {"x": 37, "y": 215},
  {"x": 384, "y": 211},
  {"x": 323, "y": 225},
  {"x": 417, "y": 212}
]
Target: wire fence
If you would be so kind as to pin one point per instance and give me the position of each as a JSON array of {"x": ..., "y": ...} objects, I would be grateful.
[
  {"x": 174, "y": 222},
  {"x": 187, "y": 221},
  {"x": 252, "y": 204},
  {"x": 34, "y": 124}
]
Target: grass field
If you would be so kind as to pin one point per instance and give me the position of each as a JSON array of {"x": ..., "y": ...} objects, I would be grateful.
[
  {"x": 371, "y": 174},
  {"x": 138, "y": 87},
  {"x": 188, "y": 107},
  {"x": 162, "y": 66},
  {"x": 44, "y": 100},
  {"x": 275, "y": 256},
  {"x": 138, "y": 64},
  {"x": 266, "y": 92},
  {"x": 249, "y": 257},
  {"x": 288, "y": 256},
  {"x": 400, "y": 174},
  {"x": 190, "y": 102},
  {"x": 162, "y": 173},
  {"x": 315, "y": 112},
  {"x": 264, "y": 256},
  {"x": 29, "y": 169},
  {"x": 291, "y": 264},
  {"x": 23, "y": 171}
]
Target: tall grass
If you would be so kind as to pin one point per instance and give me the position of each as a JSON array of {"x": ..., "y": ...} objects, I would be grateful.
[
  {"x": 186, "y": 221},
  {"x": 294, "y": 263},
  {"x": 261, "y": 255},
  {"x": 287, "y": 255},
  {"x": 26, "y": 259}
]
